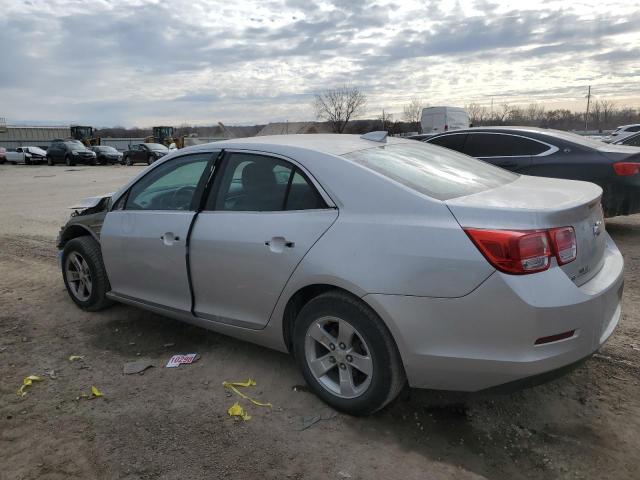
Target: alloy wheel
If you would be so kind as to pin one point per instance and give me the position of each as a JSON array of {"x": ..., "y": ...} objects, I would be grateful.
[
  {"x": 78, "y": 276},
  {"x": 338, "y": 357}
]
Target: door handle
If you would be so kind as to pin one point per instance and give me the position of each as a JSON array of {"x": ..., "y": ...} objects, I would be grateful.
[
  {"x": 169, "y": 238},
  {"x": 278, "y": 244}
]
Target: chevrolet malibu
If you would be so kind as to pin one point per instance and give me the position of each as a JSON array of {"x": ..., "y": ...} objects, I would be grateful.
[{"x": 375, "y": 261}]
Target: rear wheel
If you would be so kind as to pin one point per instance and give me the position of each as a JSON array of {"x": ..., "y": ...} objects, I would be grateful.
[
  {"x": 84, "y": 274},
  {"x": 346, "y": 354}
]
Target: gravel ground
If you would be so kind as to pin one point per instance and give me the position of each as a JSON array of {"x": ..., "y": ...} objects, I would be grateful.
[{"x": 172, "y": 423}]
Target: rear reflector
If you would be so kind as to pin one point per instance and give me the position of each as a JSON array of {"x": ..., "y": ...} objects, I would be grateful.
[
  {"x": 520, "y": 252},
  {"x": 564, "y": 241},
  {"x": 624, "y": 169},
  {"x": 555, "y": 338}
]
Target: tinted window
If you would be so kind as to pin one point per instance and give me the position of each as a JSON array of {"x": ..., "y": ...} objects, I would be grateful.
[
  {"x": 436, "y": 172},
  {"x": 453, "y": 141},
  {"x": 634, "y": 141},
  {"x": 634, "y": 129},
  {"x": 263, "y": 184},
  {"x": 499, "y": 145},
  {"x": 170, "y": 186}
]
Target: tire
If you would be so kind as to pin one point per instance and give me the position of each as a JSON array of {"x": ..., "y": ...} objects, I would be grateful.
[
  {"x": 27, "y": 161},
  {"x": 150, "y": 159},
  {"x": 50, "y": 161},
  {"x": 93, "y": 162},
  {"x": 92, "y": 296},
  {"x": 70, "y": 162},
  {"x": 127, "y": 161},
  {"x": 371, "y": 339}
]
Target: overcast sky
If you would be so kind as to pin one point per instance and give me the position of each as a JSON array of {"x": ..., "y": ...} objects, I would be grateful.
[{"x": 143, "y": 63}]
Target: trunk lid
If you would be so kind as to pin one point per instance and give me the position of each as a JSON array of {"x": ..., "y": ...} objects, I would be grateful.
[{"x": 532, "y": 203}]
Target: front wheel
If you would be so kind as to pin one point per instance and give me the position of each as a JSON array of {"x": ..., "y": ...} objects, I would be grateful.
[
  {"x": 127, "y": 161},
  {"x": 84, "y": 274},
  {"x": 150, "y": 159},
  {"x": 347, "y": 354},
  {"x": 49, "y": 161},
  {"x": 70, "y": 162}
]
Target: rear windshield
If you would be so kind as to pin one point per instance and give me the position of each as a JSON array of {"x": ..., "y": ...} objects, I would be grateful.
[{"x": 433, "y": 171}]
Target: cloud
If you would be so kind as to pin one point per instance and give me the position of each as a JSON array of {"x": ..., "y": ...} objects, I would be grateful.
[{"x": 201, "y": 61}]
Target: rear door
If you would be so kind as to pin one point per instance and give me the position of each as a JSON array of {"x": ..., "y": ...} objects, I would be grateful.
[
  {"x": 144, "y": 236},
  {"x": 263, "y": 215}
]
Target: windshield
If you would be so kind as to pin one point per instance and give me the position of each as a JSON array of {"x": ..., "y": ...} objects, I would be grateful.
[
  {"x": 437, "y": 172},
  {"x": 108, "y": 149},
  {"x": 76, "y": 147},
  {"x": 157, "y": 147},
  {"x": 579, "y": 139}
]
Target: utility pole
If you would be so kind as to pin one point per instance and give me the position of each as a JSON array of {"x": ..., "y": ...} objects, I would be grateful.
[{"x": 586, "y": 117}]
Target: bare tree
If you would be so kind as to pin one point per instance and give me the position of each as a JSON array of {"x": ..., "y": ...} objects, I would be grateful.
[
  {"x": 385, "y": 119},
  {"x": 478, "y": 114},
  {"x": 339, "y": 105},
  {"x": 412, "y": 112}
]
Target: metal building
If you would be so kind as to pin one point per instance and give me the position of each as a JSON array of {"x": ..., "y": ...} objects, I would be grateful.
[{"x": 13, "y": 136}]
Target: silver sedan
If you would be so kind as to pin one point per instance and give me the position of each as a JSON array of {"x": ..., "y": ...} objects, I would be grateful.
[{"x": 376, "y": 261}]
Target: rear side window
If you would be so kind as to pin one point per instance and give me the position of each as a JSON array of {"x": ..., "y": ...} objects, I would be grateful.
[
  {"x": 455, "y": 141},
  {"x": 439, "y": 173},
  {"x": 500, "y": 145},
  {"x": 259, "y": 183},
  {"x": 634, "y": 129}
]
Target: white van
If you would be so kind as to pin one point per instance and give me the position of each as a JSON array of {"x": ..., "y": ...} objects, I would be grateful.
[{"x": 443, "y": 119}]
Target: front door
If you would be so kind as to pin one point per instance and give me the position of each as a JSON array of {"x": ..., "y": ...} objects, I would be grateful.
[
  {"x": 144, "y": 237},
  {"x": 261, "y": 218}
]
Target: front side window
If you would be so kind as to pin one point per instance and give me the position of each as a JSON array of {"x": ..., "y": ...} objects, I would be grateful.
[
  {"x": 259, "y": 183},
  {"x": 439, "y": 173},
  {"x": 499, "y": 145},
  {"x": 170, "y": 186}
]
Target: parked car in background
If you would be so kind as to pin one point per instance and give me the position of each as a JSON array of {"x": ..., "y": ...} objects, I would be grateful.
[
  {"x": 443, "y": 119},
  {"x": 26, "y": 155},
  {"x": 554, "y": 153},
  {"x": 3, "y": 156},
  {"x": 106, "y": 154},
  {"x": 630, "y": 140},
  {"x": 70, "y": 152},
  {"x": 144, "y": 153},
  {"x": 622, "y": 132},
  {"x": 455, "y": 275}
]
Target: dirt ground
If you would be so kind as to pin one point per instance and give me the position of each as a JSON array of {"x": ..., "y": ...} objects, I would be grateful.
[{"x": 173, "y": 423}]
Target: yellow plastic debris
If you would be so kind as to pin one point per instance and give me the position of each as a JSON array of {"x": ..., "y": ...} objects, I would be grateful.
[
  {"x": 27, "y": 382},
  {"x": 73, "y": 358},
  {"x": 95, "y": 393},
  {"x": 249, "y": 383},
  {"x": 236, "y": 410}
]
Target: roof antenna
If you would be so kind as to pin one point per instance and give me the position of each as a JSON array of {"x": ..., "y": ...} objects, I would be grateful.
[{"x": 379, "y": 136}]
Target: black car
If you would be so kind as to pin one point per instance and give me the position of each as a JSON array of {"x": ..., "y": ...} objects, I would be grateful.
[
  {"x": 554, "y": 153},
  {"x": 631, "y": 140},
  {"x": 144, "y": 152},
  {"x": 106, "y": 154},
  {"x": 69, "y": 152}
]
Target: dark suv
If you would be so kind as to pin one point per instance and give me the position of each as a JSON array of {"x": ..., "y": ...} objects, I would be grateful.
[{"x": 70, "y": 152}]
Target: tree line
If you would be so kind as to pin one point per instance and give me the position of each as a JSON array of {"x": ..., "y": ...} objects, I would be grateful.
[{"x": 340, "y": 107}]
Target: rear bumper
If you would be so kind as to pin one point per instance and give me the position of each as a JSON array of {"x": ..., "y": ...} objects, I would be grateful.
[{"x": 487, "y": 338}]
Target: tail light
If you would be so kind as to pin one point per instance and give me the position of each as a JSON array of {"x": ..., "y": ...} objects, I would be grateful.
[
  {"x": 624, "y": 169},
  {"x": 446, "y": 128},
  {"x": 520, "y": 252}
]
